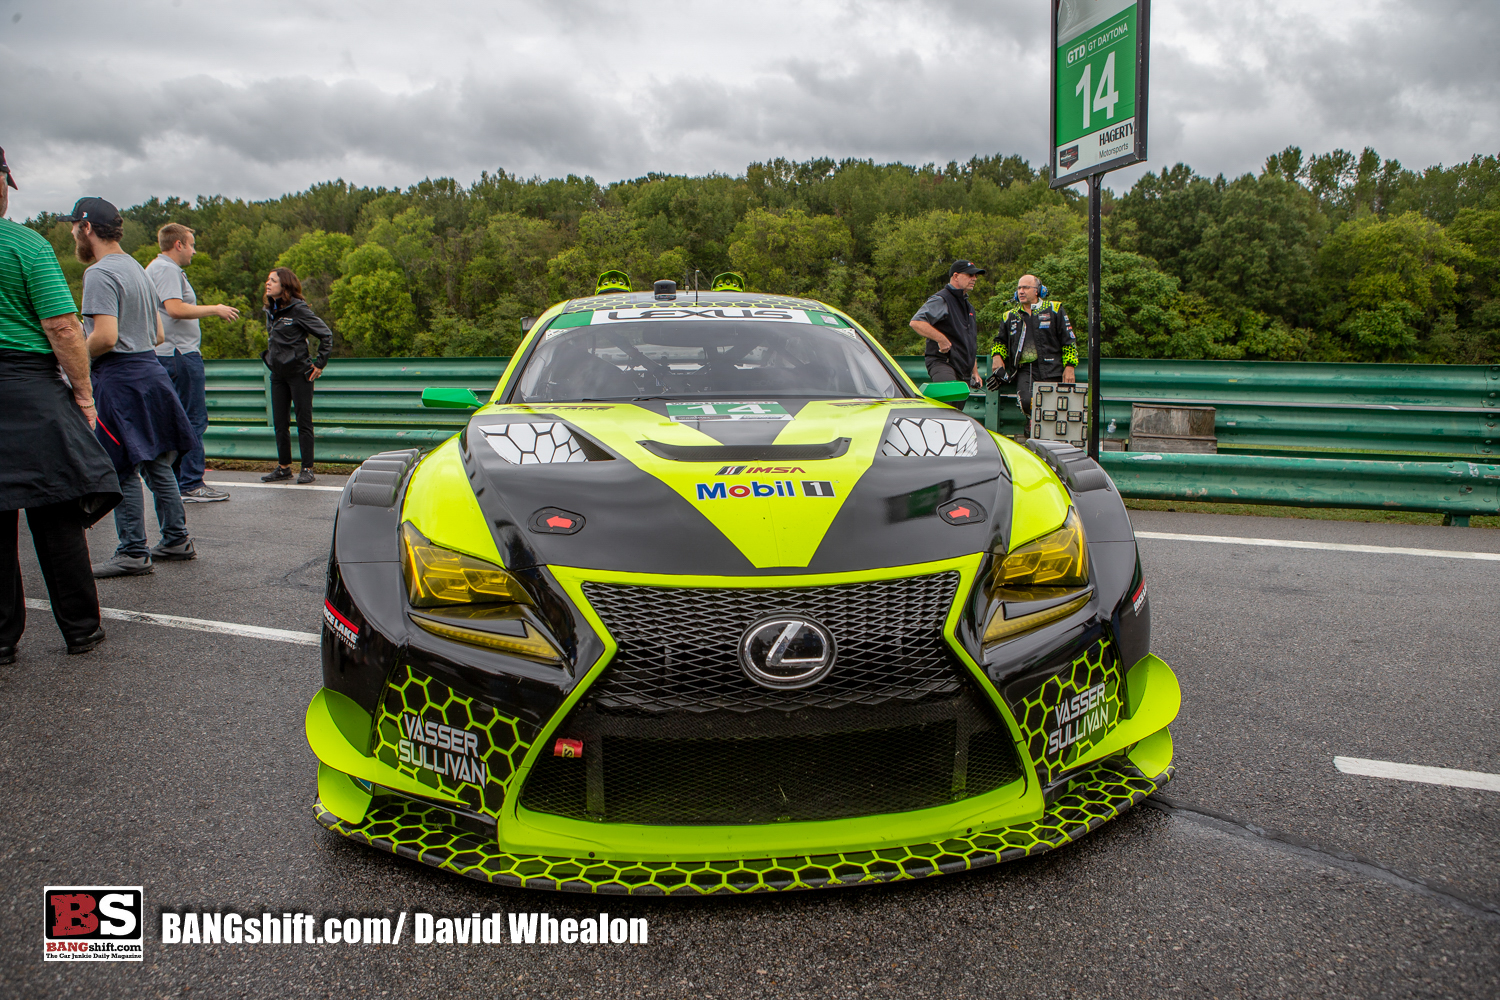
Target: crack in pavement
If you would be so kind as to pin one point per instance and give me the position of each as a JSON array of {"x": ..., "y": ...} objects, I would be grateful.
[{"x": 1483, "y": 909}]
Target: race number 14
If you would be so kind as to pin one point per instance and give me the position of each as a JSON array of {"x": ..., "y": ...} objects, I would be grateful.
[{"x": 1105, "y": 98}]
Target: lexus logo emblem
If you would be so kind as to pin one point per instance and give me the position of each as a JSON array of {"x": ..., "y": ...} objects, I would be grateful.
[{"x": 786, "y": 652}]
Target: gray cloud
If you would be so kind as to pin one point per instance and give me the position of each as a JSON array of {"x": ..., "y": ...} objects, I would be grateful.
[{"x": 253, "y": 101}]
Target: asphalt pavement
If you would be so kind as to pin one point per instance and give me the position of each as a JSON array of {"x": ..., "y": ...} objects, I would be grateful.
[{"x": 174, "y": 759}]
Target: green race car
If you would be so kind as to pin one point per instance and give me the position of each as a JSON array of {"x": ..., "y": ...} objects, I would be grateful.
[{"x": 708, "y": 597}]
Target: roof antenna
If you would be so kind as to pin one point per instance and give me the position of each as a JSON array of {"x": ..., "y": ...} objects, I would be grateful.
[{"x": 696, "y": 272}]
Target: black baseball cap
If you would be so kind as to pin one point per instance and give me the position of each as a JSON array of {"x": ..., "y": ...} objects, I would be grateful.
[
  {"x": 95, "y": 210},
  {"x": 964, "y": 267},
  {"x": 5, "y": 169}
]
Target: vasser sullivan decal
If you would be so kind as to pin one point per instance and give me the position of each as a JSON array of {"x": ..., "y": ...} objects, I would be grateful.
[
  {"x": 1078, "y": 718},
  {"x": 441, "y": 749},
  {"x": 775, "y": 488},
  {"x": 340, "y": 626}
]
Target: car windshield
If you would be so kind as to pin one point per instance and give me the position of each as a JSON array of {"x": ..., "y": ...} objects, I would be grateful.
[{"x": 644, "y": 357}]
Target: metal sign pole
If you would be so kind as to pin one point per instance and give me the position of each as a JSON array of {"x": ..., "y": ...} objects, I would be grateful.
[
  {"x": 1094, "y": 254},
  {"x": 1101, "y": 50}
]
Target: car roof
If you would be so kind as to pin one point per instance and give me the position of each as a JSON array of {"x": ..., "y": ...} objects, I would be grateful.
[{"x": 687, "y": 298}]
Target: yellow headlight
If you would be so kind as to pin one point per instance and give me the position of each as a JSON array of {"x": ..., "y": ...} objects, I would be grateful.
[
  {"x": 1059, "y": 559},
  {"x": 436, "y": 576},
  {"x": 1053, "y": 568}
]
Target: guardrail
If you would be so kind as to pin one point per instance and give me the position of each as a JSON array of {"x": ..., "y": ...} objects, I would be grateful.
[{"x": 1265, "y": 409}]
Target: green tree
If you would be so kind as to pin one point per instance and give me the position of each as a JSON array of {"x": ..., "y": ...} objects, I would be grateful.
[
  {"x": 1387, "y": 283},
  {"x": 373, "y": 307},
  {"x": 1137, "y": 315}
]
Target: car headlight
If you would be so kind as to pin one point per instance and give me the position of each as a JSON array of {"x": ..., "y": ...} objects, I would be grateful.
[
  {"x": 1043, "y": 581},
  {"x": 471, "y": 600},
  {"x": 436, "y": 577}
]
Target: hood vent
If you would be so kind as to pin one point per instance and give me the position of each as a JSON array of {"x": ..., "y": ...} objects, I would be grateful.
[
  {"x": 534, "y": 443},
  {"x": 930, "y": 437},
  {"x": 747, "y": 452}
]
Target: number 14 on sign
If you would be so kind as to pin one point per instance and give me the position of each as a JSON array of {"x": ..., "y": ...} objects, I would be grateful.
[{"x": 1106, "y": 97}]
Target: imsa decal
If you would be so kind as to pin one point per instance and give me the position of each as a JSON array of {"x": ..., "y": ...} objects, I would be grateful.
[{"x": 775, "y": 488}]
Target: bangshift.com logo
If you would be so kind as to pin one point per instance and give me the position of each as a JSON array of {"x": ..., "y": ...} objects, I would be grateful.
[{"x": 93, "y": 923}]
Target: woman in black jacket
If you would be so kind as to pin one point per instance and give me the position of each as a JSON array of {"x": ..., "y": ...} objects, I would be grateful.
[{"x": 289, "y": 322}]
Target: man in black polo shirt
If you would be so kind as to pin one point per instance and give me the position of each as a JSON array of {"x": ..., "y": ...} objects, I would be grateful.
[{"x": 946, "y": 319}]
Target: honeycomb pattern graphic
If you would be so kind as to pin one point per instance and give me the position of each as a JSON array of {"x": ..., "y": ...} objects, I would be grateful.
[
  {"x": 929, "y": 437},
  {"x": 502, "y": 741},
  {"x": 426, "y": 834},
  {"x": 1037, "y": 714},
  {"x": 534, "y": 443}
]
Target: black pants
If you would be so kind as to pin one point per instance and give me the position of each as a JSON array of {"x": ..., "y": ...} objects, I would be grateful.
[
  {"x": 1024, "y": 391},
  {"x": 942, "y": 370},
  {"x": 57, "y": 534},
  {"x": 288, "y": 387}
]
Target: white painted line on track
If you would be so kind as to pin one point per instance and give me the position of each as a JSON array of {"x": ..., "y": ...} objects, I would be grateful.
[
  {"x": 1416, "y": 772},
  {"x": 1286, "y": 543},
  {"x": 271, "y": 486},
  {"x": 197, "y": 624}
]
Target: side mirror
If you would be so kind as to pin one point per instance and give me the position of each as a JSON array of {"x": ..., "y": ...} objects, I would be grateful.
[
  {"x": 946, "y": 392},
  {"x": 447, "y": 398},
  {"x": 527, "y": 322}
]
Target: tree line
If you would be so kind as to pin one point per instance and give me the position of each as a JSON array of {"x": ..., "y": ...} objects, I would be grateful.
[{"x": 1330, "y": 257}]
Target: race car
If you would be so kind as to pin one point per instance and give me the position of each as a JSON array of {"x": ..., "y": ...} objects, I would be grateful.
[{"x": 709, "y": 597}]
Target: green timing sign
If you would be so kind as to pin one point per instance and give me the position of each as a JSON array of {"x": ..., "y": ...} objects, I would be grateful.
[{"x": 1098, "y": 86}]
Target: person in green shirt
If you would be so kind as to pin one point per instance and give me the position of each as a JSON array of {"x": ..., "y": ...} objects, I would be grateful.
[{"x": 51, "y": 465}]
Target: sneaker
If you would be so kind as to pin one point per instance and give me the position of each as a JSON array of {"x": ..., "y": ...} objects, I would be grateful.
[
  {"x": 204, "y": 494},
  {"x": 281, "y": 472},
  {"x": 181, "y": 551},
  {"x": 87, "y": 643},
  {"x": 305, "y": 476},
  {"x": 123, "y": 566}
]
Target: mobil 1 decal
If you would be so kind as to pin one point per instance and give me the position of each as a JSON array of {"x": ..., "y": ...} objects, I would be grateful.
[
  {"x": 1073, "y": 710},
  {"x": 447, "y": 741},
  {"x": 766, "y": 488}
]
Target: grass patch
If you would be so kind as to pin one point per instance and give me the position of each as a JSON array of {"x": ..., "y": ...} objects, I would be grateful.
[
  {"x": 235, "y": 465},
  {"x": 1305, "y": 513}
]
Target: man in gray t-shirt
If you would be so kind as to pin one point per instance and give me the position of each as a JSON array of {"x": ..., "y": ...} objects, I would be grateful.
[
  {"x": 180, "y": 354},
  {"x": 142, "y": 425}
]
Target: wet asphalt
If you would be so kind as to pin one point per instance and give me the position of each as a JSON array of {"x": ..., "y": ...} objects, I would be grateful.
[{"x": 175, "y": 760}]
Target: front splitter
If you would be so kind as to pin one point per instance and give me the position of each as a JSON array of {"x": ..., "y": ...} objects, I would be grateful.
[{"x": 427, "y": 834}]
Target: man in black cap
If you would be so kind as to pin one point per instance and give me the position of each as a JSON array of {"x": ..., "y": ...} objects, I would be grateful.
[
  {"x": 946, "y": 319},
  {"x": 142, "y": 424},
  {"x": 50, "y": 464}
]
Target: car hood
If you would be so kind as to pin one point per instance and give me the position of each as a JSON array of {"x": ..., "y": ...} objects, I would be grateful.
[{"x": 790, "y": 487}]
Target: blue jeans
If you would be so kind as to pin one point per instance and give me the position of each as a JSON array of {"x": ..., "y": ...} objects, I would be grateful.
[
  {"x": 130, "y": 515},
  {"x": 186, "y": 373}
]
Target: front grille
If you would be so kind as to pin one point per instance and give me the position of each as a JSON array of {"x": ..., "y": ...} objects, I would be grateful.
[
  {"x": 673, "y": 732},
  {"x": 769, "y": 766},
  {"x": 678, "y": 647}
]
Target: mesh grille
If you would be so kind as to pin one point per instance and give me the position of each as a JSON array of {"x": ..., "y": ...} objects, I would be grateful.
[
  {"x": 678, "y": 646},
  {"x": 673, "y": 732},
  {"x": 770, "y": 766}
]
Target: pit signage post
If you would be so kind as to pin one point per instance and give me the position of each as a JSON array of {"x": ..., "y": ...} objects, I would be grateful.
[{"x": 1101, "y": 52}]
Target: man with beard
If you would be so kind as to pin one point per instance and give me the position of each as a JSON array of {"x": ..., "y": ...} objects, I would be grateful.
[
  {"x": 50, "y": 464},
  {"x": 142, "y": 424}
]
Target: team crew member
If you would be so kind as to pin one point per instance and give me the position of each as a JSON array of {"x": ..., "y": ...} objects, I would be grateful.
[
  {"x": 1038, "y": 335},
  {"x": 946, "y": 319},
  {"x": 50, "y": 464},
  {"x": 289, "y": 322},
  {"x": 180, "y": 353},
  {"x": 141, "y": 425}
]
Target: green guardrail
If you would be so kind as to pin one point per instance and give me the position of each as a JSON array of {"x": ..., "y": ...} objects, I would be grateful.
[{"x": 1272, "y": 419}]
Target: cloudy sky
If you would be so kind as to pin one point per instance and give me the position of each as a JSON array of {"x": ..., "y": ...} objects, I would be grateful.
[{"x": 189, "y": 97}]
